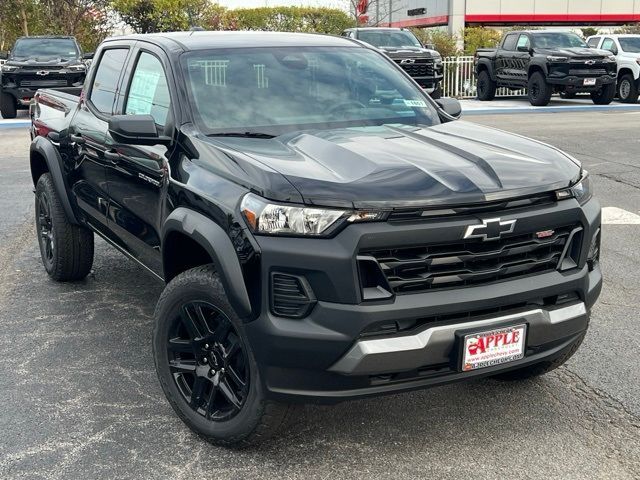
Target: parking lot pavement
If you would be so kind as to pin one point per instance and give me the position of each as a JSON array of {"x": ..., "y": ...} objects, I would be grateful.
[
  {"x": 513, "y": 105},
  {"x": 80, "y": 399}
]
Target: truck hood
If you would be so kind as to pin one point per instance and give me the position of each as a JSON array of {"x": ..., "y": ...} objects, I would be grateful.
[
  {"x": 400, "y": 166},
  {"x": 574, "y": 52}
]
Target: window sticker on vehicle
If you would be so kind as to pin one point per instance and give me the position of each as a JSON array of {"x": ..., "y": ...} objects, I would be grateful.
[{"x": 415, "y": 103}]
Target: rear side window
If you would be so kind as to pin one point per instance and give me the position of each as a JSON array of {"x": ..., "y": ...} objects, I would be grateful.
[
  {"x": 593, "y": 42},
  {"x": 105, "y": 82},
  {"x": 149, "y": 93},
  {"x": 510, "y": 42}
]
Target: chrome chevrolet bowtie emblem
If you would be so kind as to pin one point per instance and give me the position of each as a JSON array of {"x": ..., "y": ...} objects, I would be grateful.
[
  {"x": 490, "y": 229},
  {"x": 590, "y": 62},
  {"x": 42, "y": 72},
  {"x": 407, "y": 60}
]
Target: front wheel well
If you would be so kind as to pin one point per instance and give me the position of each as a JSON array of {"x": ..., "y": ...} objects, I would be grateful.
[
  {"x": 626, "y": 71},
  {"x": 535, "y": 68},
  {"x": 38, "y": 166},
  {"x": 181, "y": 253}
]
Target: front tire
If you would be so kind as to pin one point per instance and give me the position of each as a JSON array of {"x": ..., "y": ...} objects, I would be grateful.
[
  {"x": 628, "y": 89},
  {"x": 605, "y": 95},
  {"x": 66, "y": 249},
  {"x": 206, "y": 366},
  {"x": 543, "y": 367},
  {"x": 8, "y": 107},
  {"x": 538, "y": 90},
  {"x": 486, "y": 87}
]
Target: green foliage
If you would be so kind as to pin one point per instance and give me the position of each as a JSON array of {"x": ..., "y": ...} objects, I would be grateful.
[
  {"x": 480, "y": 37},
  {"x": 444, "y": 42},
  {"x": 633, "y": 29},
  {"x": 589, "y": 31},
  {"x": 146, "y": 16},
  {"x": 293, "y": 19}
]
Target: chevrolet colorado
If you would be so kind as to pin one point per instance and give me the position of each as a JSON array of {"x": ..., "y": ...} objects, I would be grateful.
[
  {"x": 544, "y": 62},
  {"x": 626, "y": 49},
  {"x": 423, "y": 63},
  {"x": 39, "y": 62},
  {"x": 326, "y": 230}
]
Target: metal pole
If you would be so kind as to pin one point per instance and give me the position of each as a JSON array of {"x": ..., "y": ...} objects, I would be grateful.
[{"x": 390, "y": 11}]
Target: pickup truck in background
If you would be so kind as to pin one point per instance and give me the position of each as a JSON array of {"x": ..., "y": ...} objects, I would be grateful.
[
  {"x": 39, "y": 62},
  {"x": 626, "y": 49},
  {"x": 422, "y": 63},
  {"x": 325, "y": 229},
  {"x": 546, "y": 62}
]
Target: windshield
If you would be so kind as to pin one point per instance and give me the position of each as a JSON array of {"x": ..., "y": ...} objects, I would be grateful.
[
  {"x": 45, "y": 48},
  {"x": 389, "y": 38},
  {"x": 630, "y": 44},
  {"x": 558, "y": 40},
  {"x": 278, "y": 90}
]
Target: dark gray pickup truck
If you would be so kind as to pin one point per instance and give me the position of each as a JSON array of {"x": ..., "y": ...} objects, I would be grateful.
[
  {"x": 325, "y": 230},
  {"x": 546, "y": 62}
]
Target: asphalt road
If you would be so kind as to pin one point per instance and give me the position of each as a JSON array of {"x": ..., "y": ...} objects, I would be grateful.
[{"x": 79, "y": 397}]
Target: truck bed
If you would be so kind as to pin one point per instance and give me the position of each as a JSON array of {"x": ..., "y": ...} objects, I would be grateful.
[{"x": 51, "y": 109}]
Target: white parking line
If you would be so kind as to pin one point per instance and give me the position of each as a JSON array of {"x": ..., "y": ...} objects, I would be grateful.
[{"x": 618, "y": 216}]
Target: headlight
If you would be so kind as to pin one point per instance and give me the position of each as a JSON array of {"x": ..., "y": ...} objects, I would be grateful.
[
  {"x": 438, "y": 59},
  {"x": 267, "y": 218},
  {"x": 611, "y": 58},
  {"x": 553, "y": 59},
  {"x": 76, "y": 68},
  {"x": 9, "y": 68},
  {"x": 581, "y": 191}
]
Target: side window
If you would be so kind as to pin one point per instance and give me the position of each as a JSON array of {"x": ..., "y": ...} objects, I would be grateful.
[
  {"x": 610, "y": 45},
  {"x": 105, "y": 82},
  {"x": 593, "y": 42},
  {"x": 523, "y": 41},
  {"x": 510, "y": 42},
  {"x": 148, "y": 93}
]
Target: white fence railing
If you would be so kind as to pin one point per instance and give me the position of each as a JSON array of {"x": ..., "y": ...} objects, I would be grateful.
[{"x": 460, "y": 80}]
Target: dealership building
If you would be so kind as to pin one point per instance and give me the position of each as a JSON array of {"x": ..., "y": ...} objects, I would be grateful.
[{"x": 457, "y": 14}]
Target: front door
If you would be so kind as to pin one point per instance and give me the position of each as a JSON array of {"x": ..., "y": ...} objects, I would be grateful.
[{"x": 137, "y": 175}]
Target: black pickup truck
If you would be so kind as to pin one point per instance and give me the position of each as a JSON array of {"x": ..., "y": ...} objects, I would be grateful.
[
  {"x": 546, "y": 62},
  {"x": 325, "y": 229},
  {"x": 39, "y": 62},
  {"x": 422, "y": 63}
]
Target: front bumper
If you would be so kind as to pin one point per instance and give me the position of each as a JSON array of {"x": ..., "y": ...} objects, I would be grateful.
[
  {"x": 328, "y": 356},
  {"x": 575, "y": 83}
]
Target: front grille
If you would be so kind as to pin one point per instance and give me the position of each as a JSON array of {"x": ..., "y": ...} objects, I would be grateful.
[
  {"x": 291, "y": 296},
  {"x": 44, "y": 83},
  {"x": 418, "y": 69},
  {"x": 420, "y": 268},
  {"x": 40, "y": 67},
  {"x": 579, "y": 72}
]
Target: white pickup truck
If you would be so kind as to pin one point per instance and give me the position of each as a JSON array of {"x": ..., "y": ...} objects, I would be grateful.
[{"x": 626, "y": 48}]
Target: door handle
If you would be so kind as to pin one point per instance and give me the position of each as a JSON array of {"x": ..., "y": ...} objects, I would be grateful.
[
  {"x": 77, "y": 139},
  {"x": 112, "y": 156}
]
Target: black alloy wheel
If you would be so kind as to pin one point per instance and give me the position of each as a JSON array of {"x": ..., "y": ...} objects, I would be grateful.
[
  {"x": 45, "y": 230},
  {"x": 208, "y": 362}
]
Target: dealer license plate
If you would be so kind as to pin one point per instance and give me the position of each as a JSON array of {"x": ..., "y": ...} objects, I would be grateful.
[
  {"x": 493, "y": 347},
  {"x": 589, "y": 82}
]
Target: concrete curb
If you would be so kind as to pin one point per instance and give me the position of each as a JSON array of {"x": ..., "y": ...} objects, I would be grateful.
[{"x": 14, "y": 123}]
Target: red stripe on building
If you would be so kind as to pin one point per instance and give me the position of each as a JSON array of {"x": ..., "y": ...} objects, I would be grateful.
[
  {"x": 555, "y": 18},
  {"x": 419, "y": 22}
]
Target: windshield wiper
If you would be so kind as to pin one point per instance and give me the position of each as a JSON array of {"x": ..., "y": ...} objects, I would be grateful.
[{"x": 242, "y": 134}]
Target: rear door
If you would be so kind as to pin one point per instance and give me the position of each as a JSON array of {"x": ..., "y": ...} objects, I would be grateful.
[
  {"x": 504, "y": 58},
  {"x": 88, "y": 130},
  {"x": 138, "y": 175}
]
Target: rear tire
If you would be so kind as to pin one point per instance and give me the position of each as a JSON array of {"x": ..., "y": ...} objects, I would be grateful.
[
  {"x": 538, "y": 90},
  {"x": 628, "y": 89},
  {"x": 218, "y": 395},
  {"x": 605, "y": 95},
  {"x": 66, "y": 249},
  {"x": 8, "y": 106},
  {"x": 486, "y": 87},
  {"x": 542, "y": 367}
]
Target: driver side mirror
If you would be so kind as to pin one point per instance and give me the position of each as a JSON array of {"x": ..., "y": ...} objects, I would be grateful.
[
  {"x": 523, "y": 49},
  {"x": 136, "y": 130},
  {"x": 87, "y": 56},
  {"x": 450, "y": 106},
  {"x": 4, "y": 55},
  {"x": 429, "y": 46}
]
